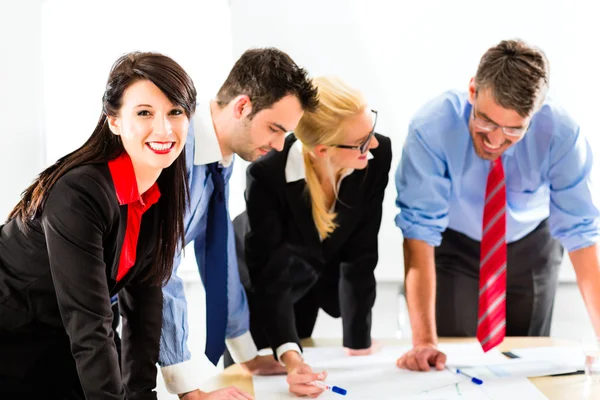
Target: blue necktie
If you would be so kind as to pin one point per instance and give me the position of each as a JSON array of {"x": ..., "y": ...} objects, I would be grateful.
[{"x": 216, "y": 267}]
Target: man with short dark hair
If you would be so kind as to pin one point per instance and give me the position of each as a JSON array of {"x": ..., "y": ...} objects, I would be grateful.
[
  {"x": 263, "y": 98},
  {"x": 492, "y": 185}
]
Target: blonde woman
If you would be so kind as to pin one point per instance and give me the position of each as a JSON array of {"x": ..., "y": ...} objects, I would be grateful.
[{"x": 310, "y": 236}]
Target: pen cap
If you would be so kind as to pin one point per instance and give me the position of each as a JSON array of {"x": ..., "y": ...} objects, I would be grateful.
[{"x": 339, "y": 390}]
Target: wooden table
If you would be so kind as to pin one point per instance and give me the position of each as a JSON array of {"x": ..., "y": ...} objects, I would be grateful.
[{"x": 573, "y": 387}]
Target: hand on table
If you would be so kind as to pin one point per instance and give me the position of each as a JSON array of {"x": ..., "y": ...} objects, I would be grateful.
[
  {"x": 375, "y": 347},
  {"x": 228, "y": 393},
  {"x": 263, "y": 365},
  {"x": 422, "y": 358},
  {"x": 300, "y": 377}
]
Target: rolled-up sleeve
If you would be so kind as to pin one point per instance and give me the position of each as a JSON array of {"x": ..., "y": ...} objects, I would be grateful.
[
  {"x": 574, "y": 214},
  {"x": 423, "y": 187}
]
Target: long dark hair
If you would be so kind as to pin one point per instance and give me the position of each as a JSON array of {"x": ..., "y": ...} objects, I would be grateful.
[{"x": 103, "y": 146}]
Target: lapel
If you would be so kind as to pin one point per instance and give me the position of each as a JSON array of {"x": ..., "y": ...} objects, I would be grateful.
[
  {"x": 299, "y": 205},
  {"x": 119, "y": 242},
  {"x": 348, "y": 208},
  {"x": 145, "y": 246}
]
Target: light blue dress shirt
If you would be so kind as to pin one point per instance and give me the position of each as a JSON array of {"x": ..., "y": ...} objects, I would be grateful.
[
  {"x": 173, "y": 346},
  {"x": 441, "y": 181}
]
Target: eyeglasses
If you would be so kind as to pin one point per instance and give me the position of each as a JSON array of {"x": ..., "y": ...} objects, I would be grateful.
[
  {"x": 488, "y": 126},
  {"x": 364, "y": 146}
]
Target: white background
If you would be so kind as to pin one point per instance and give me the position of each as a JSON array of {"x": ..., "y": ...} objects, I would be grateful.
[{"x": 56, "y": 55}]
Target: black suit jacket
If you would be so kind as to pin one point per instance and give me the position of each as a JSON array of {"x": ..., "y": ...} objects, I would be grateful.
[
  {"x": 285, "y": 256},
  {"x": 57, "y": 278}
]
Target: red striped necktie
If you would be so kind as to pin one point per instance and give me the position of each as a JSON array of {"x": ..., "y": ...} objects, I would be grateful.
[{"x": 491, "y": 324}]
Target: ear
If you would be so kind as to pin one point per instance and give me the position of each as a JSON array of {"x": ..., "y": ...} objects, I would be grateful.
[
  {"x": 242, "y": 106},
  {"x": 472, "y": 91},
  {"x": 113, "y": 124},
  {"x": 321, "y": 150}
]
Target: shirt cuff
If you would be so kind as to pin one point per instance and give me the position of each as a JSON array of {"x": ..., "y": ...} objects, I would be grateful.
[
  {"x": 186, "y": 376},
  {"x": 242, "y": 348},
  {"x": 430, "y": 234},
  {"x": 287, "y": 347}
]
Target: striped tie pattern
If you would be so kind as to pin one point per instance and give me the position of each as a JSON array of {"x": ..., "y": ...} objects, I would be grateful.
[{"x": 491, "y": 324}]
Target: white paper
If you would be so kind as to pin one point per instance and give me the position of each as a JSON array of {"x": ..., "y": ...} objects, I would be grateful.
[
  {"x": 565, "y": 355},
  {"x": 493, "y": 390},
  {"x": 377, "y": 377},
  {"x": 361, "y": 383},
  {"x": 518, "y": 368}
]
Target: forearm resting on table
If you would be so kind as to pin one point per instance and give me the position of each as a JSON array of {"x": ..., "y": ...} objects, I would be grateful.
[
  {"x": 419, "y": 267},
  {"x": 586, "y": 262}
]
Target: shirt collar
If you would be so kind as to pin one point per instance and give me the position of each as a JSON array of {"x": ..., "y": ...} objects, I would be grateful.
[
  {"x": 206, "y": 147},
  {"x": 294, "y": 166},
  {"x": 123, "y": 176}
]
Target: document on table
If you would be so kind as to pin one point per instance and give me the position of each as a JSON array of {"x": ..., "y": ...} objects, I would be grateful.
[
  {"x": 571, "y": 356},
  {"x": 519, "y": 368},
  {"x": 377, "y": 377},
  {"x": 491, "y": 390}
]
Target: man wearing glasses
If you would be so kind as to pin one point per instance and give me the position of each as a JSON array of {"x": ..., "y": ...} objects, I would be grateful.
[{"x": 492, "y": 185}]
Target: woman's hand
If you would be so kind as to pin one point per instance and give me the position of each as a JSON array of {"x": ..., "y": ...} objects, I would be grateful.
[
  {"x": 263, "y": 365},
  {"x": 228, "y": 393},
  {"x": 375, "y": 347},
  {"x": 300, "y": 376}
]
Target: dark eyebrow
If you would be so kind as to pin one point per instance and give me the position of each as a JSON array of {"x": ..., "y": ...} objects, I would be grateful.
[
  {"x": 280, "y": 127},
  {"x": 143, "y": 105},
  {"x": 497, "y": 124}
]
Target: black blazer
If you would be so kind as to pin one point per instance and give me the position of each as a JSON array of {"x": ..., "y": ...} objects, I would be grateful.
[
  {"x": 57, "y": 278},
  {"x": 286, "y": 258}
]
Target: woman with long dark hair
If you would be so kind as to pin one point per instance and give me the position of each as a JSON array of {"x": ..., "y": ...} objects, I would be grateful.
[{"x": 104, "y": 219}]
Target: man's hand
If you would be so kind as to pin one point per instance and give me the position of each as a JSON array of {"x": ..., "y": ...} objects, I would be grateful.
[
  {"x": 263, "y": 365},
  {"x": 375, "y": 347},
  {"x": 421, "y": 357},
  {"x": 228, "y": 393}
]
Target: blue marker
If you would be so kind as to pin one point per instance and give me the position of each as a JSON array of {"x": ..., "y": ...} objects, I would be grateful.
[
  {"x": 476, "y": 381},
  {"x": 334, "y": 389}
]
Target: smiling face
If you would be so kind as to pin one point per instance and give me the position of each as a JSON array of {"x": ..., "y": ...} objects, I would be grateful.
[
  {"x": 153, "y": 130},
  {"x": 266, "y": 130},
  {"x": 489, "y": 122}
]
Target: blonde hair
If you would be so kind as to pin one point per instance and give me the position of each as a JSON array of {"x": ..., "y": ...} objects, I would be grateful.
[{"x": 325, "y": 126}]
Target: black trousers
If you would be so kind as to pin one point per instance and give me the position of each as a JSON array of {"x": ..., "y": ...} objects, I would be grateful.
[{"x": 533, "y": 264}]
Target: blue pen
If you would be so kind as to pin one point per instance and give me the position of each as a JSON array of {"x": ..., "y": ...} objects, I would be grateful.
[
  {"x": 476, "y": 381},
  {"x": 334, "y": 389}
]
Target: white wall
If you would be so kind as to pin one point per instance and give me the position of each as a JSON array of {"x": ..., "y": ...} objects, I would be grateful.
[
  {"x": 403, "y": 53},
  {"x": 81, "y": 40},
  {"x": 20, "y": 99},
  {"x": 399, "y": 53}
]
